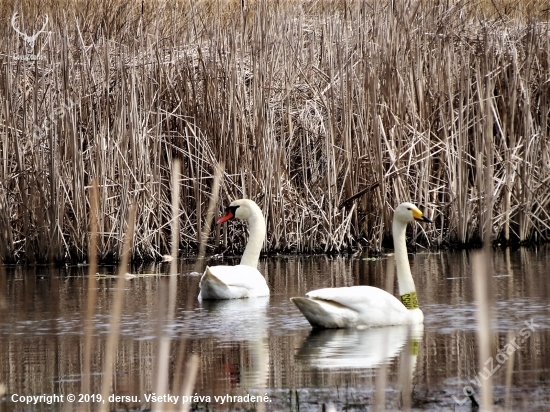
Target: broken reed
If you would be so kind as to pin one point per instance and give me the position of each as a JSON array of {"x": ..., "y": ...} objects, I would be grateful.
[{"x": 306, "y": 103}]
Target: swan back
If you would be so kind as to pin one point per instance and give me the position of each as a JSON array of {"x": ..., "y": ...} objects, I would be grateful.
[{"x": 232, "y": 282}]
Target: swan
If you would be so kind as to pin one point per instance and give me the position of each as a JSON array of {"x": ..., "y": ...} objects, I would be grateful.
[
  {"x": 243, "y": 280},
  {"x": 366, "y": 306}
]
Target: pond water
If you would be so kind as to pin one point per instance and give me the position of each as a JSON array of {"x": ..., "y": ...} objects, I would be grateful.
[{"x": 265, "y": 347}]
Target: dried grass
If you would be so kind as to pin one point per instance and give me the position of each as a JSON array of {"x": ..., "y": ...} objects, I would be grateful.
[{"x": 307, "y": 104}]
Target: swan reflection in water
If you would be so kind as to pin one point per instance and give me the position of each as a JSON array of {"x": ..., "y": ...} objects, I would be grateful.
[
  {"x": 233, "y": 319},
  {"x": 240, "y": 328},
  {"x": 359, "y": 348},
  {"x": 363, "y": 349}
]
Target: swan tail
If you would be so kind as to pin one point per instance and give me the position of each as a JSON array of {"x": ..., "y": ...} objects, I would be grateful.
[
  {"x": 326, "y": 314},
  {"x": 212, "y": 287}
]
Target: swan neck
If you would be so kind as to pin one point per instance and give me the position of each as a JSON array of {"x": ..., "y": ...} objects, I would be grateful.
[
  {"x": 404, "y": 276},
  {"x": 256, "y": 229}
]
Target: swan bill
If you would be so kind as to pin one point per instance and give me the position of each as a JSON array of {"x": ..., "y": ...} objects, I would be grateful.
[
  {"x": 425, "y": 220},
  {"x": 419, "y": 216},
  {"x": 229, "y": 214}
]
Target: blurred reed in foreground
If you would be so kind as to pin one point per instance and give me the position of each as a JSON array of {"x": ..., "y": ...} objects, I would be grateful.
[{"x": 326, "y": 113}]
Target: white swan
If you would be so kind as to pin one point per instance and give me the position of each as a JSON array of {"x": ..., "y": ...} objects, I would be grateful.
[
  {"x": 243, "y": 280},
  {"x": 365, "y": 306}
]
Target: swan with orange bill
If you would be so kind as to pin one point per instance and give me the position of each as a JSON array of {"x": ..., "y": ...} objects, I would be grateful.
[
  {"x": 243, "y": 280},
  {"x": 367, "y": 306}
]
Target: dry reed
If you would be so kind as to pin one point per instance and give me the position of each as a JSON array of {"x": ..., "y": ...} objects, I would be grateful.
[
  {"x": 480, "y": 263},
  {"x": 116, "y": 314},
  {"x": 92, "y": 291},
  {"x": 308, "y": 104},
  {"x": 166, "y": 314},
  {"x": 164, "y": 341}
]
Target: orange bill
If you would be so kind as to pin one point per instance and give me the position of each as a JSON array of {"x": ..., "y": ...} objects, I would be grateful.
[{"x": 228, "y": 216}]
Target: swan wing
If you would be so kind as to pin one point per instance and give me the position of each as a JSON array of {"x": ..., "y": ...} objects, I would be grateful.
[
  {"x": 353, "y": 306},
  {"x": 232, "y": 282},
  {"x": 359, "y": 298}
]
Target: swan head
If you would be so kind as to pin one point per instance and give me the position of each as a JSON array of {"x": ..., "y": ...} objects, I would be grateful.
[
  {"x": 407, "y": 212},
  {"x": 243, "y": 209}
]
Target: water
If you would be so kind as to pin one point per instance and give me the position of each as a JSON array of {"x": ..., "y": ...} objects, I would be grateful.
[{"x": 265, "y": 347}]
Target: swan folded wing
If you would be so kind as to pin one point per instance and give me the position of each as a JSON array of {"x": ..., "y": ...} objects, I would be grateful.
[
  {"x": 374, "y": 306},
  {"x": 326, "y": 313},
  {"x": 245, "y": 278}
]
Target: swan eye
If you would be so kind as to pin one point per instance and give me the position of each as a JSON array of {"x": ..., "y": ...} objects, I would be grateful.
[{"x": 231, "y": 209}]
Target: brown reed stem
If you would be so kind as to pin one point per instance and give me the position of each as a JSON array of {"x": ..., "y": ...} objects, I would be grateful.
[
  {"x": 481, "y": 270},
  {"x": 163, "y": 358},
  {"x": 193, "y": 362},
  {"x": 92, "y": 288},
  {"x": 189, "y": 381},
  {"x": 116, "y": 314},
  {"x": 210, "y": 214}
]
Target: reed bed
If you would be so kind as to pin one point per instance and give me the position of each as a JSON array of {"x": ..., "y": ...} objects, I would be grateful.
[{"x": 327, "y": 113}]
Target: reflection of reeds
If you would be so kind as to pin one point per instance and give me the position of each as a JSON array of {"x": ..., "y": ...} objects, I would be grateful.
[
  {"x": 509, "y": 371},
  {"x": 307, "y": 107}
]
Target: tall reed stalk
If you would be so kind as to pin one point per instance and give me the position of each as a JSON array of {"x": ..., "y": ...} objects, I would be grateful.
[
  {"x": 308, "y": 104},
  {"x": 116, "y": 314},
  {"x": 92, "y": 291},
  {"x": 166, "y": 314}
]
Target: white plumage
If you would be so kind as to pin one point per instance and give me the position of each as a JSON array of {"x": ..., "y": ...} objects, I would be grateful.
[
  {"x": 232, "y": 282},
  {"x": 354, "y": 306},
  {"x": 244, "y": 280},
  {"x": 367, "y": 306}
]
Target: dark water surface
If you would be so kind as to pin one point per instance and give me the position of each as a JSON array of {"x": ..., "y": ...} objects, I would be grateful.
[{"x": 265, "y": 347}]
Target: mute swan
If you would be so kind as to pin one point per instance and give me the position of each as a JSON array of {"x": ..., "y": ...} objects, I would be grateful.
[
  {"x": 243, "y": 280},
  {"x": 365, "y": 306}
]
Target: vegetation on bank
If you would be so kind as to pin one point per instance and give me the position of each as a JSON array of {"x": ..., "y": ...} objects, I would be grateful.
[{"x": 327, "y": 113}]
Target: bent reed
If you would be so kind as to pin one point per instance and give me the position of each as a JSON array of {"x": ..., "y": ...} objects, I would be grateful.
[{"x": 326, "y": 113}]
